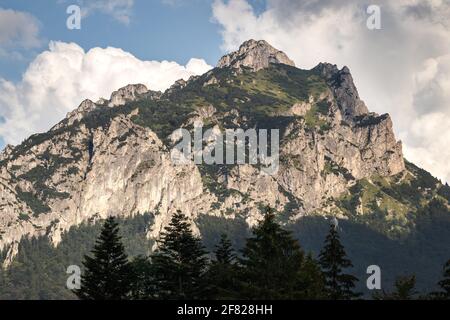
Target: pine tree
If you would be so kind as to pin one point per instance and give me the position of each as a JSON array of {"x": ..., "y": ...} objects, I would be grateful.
[
  {"x": 311, "y": 280},
  {"x": 107, "y": 273},
  {"x": 333, "y": 261},
  {"x": 224, "y": 251},
  {"x": 143, "y": 283},
  {"x": 404, "y": 289},
  {"x": 445, "y": 282},
  {"x": 222, "y": 275},
  {"x": 270, "y": 262},
  {"x": 180, "y": 262}
]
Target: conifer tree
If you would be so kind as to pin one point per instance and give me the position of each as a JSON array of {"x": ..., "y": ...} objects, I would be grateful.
[
  {"x": 445, "y": 282},
  {"x": 311, "y": 280},
  {"x": 334, "y": 261},
  {"x": 224, "y": 251},
  {"x": 404, "y": 289},
  {"x": 222, "y": 274},
  {"x": 143, "y": 283},
  {"x": 179, "y": 263},
  {"x": 107, "y": 272},
  {"x": 270, "y": 262}
]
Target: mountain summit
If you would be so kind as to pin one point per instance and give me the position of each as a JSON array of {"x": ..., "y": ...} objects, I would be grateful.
[
  {"x": 255, "y": 55},
  {"x": 336, "y": 158}
]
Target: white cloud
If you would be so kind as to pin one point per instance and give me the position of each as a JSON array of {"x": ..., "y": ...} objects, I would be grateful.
[
  {"x": 429, "y": 132},
  {"x": 60, "y": 78},
  {"x": 399, "y": 69},
  {"x": 18, "y": 29}
]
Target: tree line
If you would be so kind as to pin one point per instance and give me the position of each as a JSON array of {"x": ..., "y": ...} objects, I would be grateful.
[{"x": 272, "y": 265}]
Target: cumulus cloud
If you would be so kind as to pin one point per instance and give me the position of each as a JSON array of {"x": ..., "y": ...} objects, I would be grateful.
[
  {"x": 429, "y": 132},
  {"x": 61, "y": 77},
  {"x": 401, "y": 69},
  {"x": 18, "y": 29},
  {"x": 432, "y": 86}
]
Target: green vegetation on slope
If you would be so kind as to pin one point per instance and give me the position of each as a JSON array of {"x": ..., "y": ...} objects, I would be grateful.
[
  {"x": 39, "y": 270},
  {"x": 262, "y": 97},
  {"x": 393, "y": 205}
]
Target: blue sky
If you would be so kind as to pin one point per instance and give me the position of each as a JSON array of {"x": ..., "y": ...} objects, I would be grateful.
[
  {"x": 157, "y": 31},
  {"x": 174, "y": 30}
]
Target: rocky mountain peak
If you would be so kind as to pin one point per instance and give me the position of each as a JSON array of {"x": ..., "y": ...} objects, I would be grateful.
[
  {"x": 6, "y": 151},
  {"x": 84, "y": 108},
  {"x": 344, "y": 89},
  {"x": 255, "y": 55},
  {"x": 326, "y": 70},
  {"x": 126, "y": 94},
  {"x": 179, "y": 84},
  {"x": 118, "y": 161}
]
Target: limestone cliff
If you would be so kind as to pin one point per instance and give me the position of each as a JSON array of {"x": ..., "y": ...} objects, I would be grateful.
[
  {"x": 255, "y": 55},
  {"x": 113, "y": 157}
]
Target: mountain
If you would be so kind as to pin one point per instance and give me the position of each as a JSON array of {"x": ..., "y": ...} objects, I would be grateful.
[{"x": 336, "y": 159}]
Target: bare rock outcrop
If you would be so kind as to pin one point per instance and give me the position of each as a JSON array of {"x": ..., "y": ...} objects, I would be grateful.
[
  {"x": 344, "y": 89},
  {"x": 84, "y": 108},
  {"x": 126, "y": 94},
  {"x": 82, "y": 171},
  {"x": 255, "y": 55}
]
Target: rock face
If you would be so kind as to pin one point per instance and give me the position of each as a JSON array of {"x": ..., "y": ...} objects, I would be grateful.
[
  {"x": 6, "y": 151},
  {"x": 103, "y": 161},
  {"x": 344, "y": 89},
  {"x": 255, "y": 55},
  {"x": 84, "y": 108},
  {"x": 127, "y": 94}
]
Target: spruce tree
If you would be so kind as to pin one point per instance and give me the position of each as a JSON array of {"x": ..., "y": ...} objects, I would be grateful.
[
  {"x": 107, "y": 272},
  {"x": 270, "y": 261},
  {"x": 445, "y": 282},
  {"x": 334, "y": 261},
  {"x": 311, "y": 280},
  {"x": 222, "y": 274},
  {"x": 404, "y": 289},
  {"x": 179, "y": 263},
  {"x": 224, "y": 251},
  {"x": 143, "y": 284}
]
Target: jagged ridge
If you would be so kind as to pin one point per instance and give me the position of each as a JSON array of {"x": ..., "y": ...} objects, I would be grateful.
[{"x": 112, "y": 157}]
